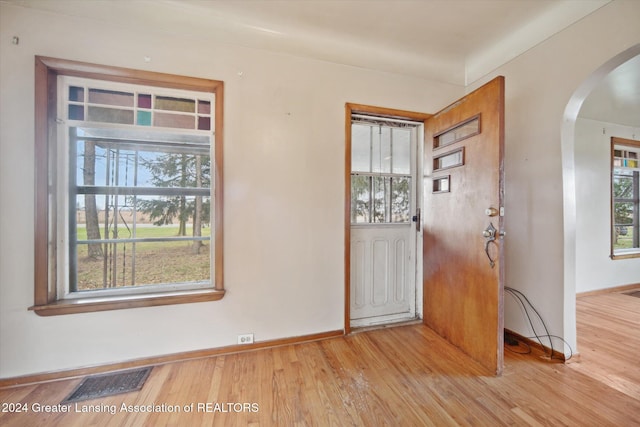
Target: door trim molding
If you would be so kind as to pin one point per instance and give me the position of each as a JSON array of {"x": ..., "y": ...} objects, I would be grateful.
[{"x": 351, "y": 108}]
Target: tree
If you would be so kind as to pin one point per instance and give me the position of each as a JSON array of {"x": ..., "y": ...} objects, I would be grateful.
[
  {"x": 622, "y": 210},
  {"x": 178, "y": 171},
  {"x": 197, "y": 212},
  {"x": 90, "y": 208},
  {"x": 390, "y": 196}
]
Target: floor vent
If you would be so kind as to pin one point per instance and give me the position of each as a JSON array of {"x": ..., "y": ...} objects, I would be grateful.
[{"x": 103, "y": 385}]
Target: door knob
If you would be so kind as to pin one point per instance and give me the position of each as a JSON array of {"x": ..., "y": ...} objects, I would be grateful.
[{"x": 489, "y": 232}]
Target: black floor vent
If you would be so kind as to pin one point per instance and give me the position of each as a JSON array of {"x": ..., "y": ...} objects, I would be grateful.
[{"x": 110, "y": 384}]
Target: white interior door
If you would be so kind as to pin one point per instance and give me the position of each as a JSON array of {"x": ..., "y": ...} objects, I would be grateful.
[{"x": 383, "y": 262}]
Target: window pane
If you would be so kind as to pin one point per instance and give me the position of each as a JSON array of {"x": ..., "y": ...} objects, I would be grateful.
[
  {"x": 180, "y": 121},
  {"x": 144, "y": 118},
  {"x": 401, "y": 151},
  {"x": 360, "y": 148},
  {"x": 622, "y": 187},
  {"x": 381, "y": 147},
  {"x": 110, "y": 97},
  {"x": 623, "y": 213},
  {"x": 138, "y": 206},
  {"x": 458, "y": 133},
  {"x": 175, "y": 104},
  {"x": 360, "y": 199},
  {"x": 142, "y": 263},
  {"x": 623, "y": 237},
  {"x": 449, "y": 160},
  {"x": 76, "y": 94},
  {"x": 204, "y": 107},
  {"x": 110, "y": 115},
  {"x": 76, "y": 112},
  {"x": 144, "y": 101},
  {"x": 381, "y": 192},
  {"x": 400, "y": 199},
  {"x": 204, "y": 123}
]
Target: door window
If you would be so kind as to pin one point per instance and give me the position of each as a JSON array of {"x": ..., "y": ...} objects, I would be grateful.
[{"x": 380, "y": 171}]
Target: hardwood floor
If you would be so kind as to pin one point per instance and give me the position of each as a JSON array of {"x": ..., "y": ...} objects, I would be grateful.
[{"x": 402, "y": 376}]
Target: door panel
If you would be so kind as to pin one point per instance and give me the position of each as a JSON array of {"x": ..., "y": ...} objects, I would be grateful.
[
  {"x": 382, "y": 272},
  {"x": 463, "y": 282}
]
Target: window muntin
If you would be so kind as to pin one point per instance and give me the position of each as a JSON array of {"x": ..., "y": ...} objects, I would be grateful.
[
  {"x": 57, "y": 111},
  {"x": 625, "y": 198},
  {"x": 380, "y": 172}
]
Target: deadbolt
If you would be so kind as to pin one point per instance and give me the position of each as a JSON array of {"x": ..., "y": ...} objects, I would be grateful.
[{"x": 491, "y": 211}]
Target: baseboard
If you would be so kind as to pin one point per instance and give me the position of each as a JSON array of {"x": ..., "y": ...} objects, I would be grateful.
[
  {"x": 542, "y": 350},
  {"x": 161, "y": 360},
  {"x": 609, "y": 290}
]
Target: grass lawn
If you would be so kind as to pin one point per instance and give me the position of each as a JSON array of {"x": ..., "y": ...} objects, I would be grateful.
[
  {"x": 624, "y": 241},
  {"x": 143, "y": 263}
]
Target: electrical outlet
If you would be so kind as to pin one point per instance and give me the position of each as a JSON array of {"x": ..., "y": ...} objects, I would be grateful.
[{"x": 245, "y": 339}]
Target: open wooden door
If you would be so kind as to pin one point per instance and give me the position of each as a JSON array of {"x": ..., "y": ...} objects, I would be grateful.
[{"x": 463, "y": 224}]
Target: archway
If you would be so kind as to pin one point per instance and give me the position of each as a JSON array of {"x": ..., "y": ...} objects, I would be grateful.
[{"x": 568, "y": 146}]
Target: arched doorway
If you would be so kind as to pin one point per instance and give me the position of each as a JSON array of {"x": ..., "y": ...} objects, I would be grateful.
[{"x": 568, "y": 141}]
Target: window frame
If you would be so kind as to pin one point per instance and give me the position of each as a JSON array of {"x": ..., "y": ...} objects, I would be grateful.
[
  {"x": 635, "y": 251},
  {"x": 46, "y": 299}
]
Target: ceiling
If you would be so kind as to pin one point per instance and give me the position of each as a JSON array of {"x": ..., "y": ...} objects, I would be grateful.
[
  {"x": 617, "y": 98},
  {"x": 454, "y": 41}
]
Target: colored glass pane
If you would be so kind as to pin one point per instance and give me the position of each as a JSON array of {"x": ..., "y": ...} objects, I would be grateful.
[
  {"x": 204, "y": 107},
  {"x": 111, "y": 97},
  {"x": 76, "y": 112},
  {"x": 204, "y": 123},
  {"x": 144, "y": 101},
  {"x": 175, "y": 104},
  {"x": 144, "y": 118},
  {"x": 76, "y": 93},
  {"x": 181, "y": 121},
  {"x": 110, "y": 115}
]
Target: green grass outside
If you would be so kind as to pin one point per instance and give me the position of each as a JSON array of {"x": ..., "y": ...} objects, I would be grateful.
[
  {"x": 624, "y": 241},
  {"x": 155, "y": 262}
]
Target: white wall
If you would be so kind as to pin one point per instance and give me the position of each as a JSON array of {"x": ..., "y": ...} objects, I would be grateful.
[
  {"x": 539, "y": 85},
  {"x": 594, "y": 267},
  {"x": 284, "y": 192}
]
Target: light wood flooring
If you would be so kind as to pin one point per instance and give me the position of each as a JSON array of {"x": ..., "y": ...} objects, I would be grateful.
[{"x": 401, "y": 376}]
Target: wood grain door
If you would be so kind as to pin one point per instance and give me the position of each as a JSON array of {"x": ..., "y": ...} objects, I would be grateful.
[{"x": 463, "y": 223}]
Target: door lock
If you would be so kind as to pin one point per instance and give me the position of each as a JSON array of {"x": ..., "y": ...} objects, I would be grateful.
[
  {"x": 491, "y": 211},
  {"x": 489, "y": 234}
]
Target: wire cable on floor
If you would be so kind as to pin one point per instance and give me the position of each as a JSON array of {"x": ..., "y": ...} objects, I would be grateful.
[{"x": 522, "y": 298}]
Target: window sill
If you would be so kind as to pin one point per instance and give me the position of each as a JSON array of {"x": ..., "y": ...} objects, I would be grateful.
[
  {"x": 625, "y": 255},
  {"x": 88, "y": 305}
]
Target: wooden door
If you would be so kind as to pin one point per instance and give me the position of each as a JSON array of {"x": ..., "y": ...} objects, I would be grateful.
[{"x": 463, "y": 223}]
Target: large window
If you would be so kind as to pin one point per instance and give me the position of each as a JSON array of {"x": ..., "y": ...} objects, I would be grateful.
[
  {"x": 128, "y": 188},
  {"x": 625, "y": 203}
]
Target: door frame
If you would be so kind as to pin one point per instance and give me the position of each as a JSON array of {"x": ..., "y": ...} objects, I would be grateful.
[{"x": 351, "y": 108}]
